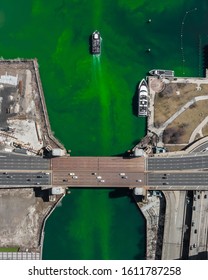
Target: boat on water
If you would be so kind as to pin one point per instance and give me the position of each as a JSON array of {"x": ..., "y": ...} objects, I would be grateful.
[
  {"x": 95, "y": 42},
  {"x": 143, "y": 98},
  {"x": 162, "y": 73}
]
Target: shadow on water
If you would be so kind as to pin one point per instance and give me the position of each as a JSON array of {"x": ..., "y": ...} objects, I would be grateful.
[
  {"x": 205, "y": 59},
  {"x": 121, "y": 192},
  {"x": 135, "y": 101},
  {"x": 124, "y": 155},
  {"x": 113, "y": 192},
  {"x": 90, "y": 188},
  {"x": 128, "y": 154},
  {"x": 119, "y": 155}
]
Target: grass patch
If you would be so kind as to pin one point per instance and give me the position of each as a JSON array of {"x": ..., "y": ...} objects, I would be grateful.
[{"x": 9, "y": 249}]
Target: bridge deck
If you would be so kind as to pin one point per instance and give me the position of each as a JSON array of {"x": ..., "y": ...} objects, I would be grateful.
[{"x": 87, "y": 170}]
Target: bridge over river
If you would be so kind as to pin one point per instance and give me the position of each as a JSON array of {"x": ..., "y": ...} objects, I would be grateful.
[{"x": 183, "y": 172}]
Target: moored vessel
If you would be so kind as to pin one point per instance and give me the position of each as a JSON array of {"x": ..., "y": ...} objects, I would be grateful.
[
  {"x": 162, "y": 73},
  {"x": 143, "y": 98}
]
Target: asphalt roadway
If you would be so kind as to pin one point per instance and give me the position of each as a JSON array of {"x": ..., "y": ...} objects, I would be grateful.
[
  {"x": 178, "y": 179},
  {"x": 23, "y": 170},
  {"x": 11, "y": 161},
  {"x": 186, "y": 224},
  {"x": 192, "y": 161},
  {"x": 174, "y": 225},
  {"x": 25, "y": 178},
  {"x": 199, "y": 226}
]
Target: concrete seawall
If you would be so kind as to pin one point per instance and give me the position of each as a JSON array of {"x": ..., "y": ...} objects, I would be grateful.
[
  {"x": 40, "y": 89},
  {"x": 42, "y": 231},
  {"x": 151, "y": 210}
]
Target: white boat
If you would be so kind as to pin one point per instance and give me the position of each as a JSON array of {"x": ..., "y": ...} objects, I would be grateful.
[
  {"x": 162, "y": 73},
  {"x": 95, "y": 43},
  {"x": 143, "y": 98}
]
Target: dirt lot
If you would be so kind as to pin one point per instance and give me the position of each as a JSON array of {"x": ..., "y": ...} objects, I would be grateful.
[
  {"x": 205, "y": 130},
  {"x": 172, "y": 98},
  {"x": 24, "y": 128},
  {"x": 20, "y": 226},
  {"x": 180, "y": 130}
]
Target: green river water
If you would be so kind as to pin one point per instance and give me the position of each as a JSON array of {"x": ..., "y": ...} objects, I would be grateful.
[{"x": 89, "y": 99}]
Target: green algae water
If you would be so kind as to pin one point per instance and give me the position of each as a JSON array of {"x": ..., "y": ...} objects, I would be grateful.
[{"x": 90, "y": 99}]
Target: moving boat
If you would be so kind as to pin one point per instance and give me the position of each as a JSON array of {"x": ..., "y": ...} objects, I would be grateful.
[
  {"x": 95, "y": 42},
  {"x": 162, "y": 73},
  {"x": 143, "y": 98}
]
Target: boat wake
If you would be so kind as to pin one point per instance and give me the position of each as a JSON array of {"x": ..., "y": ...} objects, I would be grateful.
[{"x": 101, "y": 89}]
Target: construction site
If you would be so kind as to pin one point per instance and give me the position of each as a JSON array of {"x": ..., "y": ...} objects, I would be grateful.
[
  {"x": 24, "y": 124},
  {"x": 24, "y": 131}
]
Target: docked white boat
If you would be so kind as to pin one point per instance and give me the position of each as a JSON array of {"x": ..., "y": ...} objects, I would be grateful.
[
  {"x": 162, "y": 73},
  {"x": 143, "y": 98}
]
